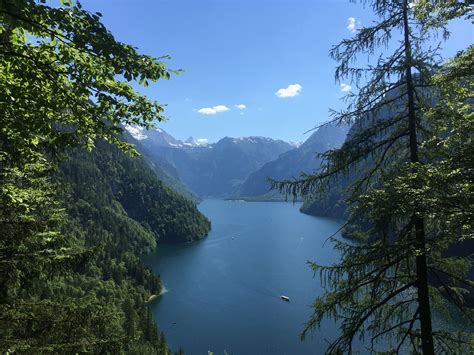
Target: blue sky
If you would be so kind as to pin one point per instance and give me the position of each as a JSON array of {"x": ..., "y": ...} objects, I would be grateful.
[{"x": 242, "y": 52}]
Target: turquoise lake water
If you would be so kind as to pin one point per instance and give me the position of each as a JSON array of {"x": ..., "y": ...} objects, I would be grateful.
[{"x": 223, "y": 293}]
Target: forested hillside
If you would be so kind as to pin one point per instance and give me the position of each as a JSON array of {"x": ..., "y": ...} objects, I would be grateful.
[
  {"x": 108, "y": 178},
  {"x": 117, "y": 210},
  {"x": 76, "y": 213},
  {"x": 166, "y": 172},
  {"x": 332, "y": 204}
]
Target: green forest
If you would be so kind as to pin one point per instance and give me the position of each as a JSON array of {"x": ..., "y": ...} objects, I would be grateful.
[
  {"x": 96, "y": 301},
  {"x": 80, "y": 207}
]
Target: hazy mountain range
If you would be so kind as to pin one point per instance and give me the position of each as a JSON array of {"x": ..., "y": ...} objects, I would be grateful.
[
  {"x": 291, "y": 164},
  {"x": 231, "y": 167}
]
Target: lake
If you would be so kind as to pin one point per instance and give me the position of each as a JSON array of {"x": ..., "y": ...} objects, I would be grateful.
[{"x": 223, "y": 293}]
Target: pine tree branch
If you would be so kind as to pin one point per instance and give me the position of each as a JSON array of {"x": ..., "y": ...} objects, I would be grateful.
[
  {"x": 453, "y": 297},
  {"x": 408, "y": 332},
  {"x": 388, "y": 330}
]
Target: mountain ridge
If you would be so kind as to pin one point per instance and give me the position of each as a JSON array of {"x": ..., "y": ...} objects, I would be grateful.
[
  {"x": 293, "y": 163},
  {"x": 209, "y": 169}
]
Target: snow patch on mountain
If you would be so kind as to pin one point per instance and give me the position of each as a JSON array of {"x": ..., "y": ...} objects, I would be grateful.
[{"x": 137, "y": 132}]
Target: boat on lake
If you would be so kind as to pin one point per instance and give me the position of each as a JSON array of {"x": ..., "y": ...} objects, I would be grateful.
[{"x": 285, "y": 298}]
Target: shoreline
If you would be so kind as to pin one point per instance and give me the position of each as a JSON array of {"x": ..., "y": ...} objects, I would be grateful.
[{"x": 155, "y": 296}]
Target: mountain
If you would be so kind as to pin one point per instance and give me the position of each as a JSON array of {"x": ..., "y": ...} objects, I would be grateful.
[
  {"x": 291, "y": 164},
  {"x": 210, "y": 170},
  {"x": 93, "y": 296},
  {"x": 333, "y": 204},
  {"x": 114, "y": 179},
  {"x": 154, "y": 137},
  {"x": 167, "y": 173}
]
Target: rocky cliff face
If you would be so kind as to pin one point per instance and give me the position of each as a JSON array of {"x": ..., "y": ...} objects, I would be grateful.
[{"x": 303, "y": 159}]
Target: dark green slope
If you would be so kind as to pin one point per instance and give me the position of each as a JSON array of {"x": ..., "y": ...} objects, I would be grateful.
[
  {"x": 92, "y": 298},
  {"x": 168, "y": 175},
  {"x": 162, "y": 168},
  {"x": 117, "y": 183},
  {"x": 117, "y": 210}
]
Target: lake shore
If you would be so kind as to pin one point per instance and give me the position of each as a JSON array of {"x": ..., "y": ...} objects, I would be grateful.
[{"x": 155, "y": 296}]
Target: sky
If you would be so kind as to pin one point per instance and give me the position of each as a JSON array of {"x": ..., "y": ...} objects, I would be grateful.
[{"x": 252, "y": 67}]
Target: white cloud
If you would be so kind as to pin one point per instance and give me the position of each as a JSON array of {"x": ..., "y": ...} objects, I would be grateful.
[
  {"x": 213, "y": 110},
  {"x": 290, "y": 91},
  {"x": 221, "y": 108},
  {"x": 345, "y": 87},
  {"x": 241, "y": 107},
  {"x": 207, "y": 111},
  {"x": 351, "y": 24}
]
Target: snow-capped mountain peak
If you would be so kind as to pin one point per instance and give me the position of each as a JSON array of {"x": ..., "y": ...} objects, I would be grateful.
[{"x": 138, "y": 133}]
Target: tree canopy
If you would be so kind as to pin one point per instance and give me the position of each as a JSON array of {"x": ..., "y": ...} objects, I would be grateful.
[{"x": 66, "y": 83}]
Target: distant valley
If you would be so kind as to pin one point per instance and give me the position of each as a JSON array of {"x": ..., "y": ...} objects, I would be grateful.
[{"x": 231, "y": 167}]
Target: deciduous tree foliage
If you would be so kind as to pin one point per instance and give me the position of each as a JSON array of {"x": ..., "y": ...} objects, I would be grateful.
[
  {"x": 71, "y": 280},
  {"x": 413, "y": 199},
  {"x": 59, "y": 86}
]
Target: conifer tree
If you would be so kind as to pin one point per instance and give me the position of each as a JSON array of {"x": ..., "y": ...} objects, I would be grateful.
[{"x": 412, "y": 198}]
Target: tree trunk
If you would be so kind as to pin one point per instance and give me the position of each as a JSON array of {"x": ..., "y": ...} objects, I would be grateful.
[{"x": 427, "y": 344}]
